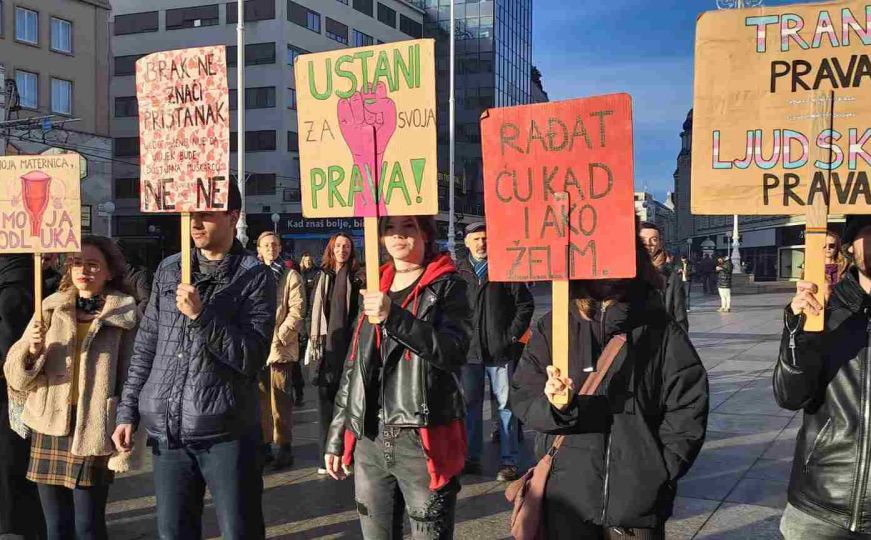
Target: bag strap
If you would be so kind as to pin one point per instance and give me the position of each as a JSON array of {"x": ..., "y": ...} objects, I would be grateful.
[{"x": 592, "y": 383}]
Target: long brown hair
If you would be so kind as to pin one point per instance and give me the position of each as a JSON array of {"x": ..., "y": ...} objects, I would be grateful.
[
  {"x": 647, "y": 278},
  {"x": 117, "y": 266},
  {"x": 842, "y": 256},
  {"x": 427, "y": 227},
  {"x": 328, "y": 261}
]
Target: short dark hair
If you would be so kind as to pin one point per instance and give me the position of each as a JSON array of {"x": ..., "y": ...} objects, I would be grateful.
[
  {"x": 648, "y": 225},
  {"x": 234, "y": 197}
]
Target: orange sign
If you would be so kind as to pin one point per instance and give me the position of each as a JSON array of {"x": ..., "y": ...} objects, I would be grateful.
[{"x": 558, "y": 188}]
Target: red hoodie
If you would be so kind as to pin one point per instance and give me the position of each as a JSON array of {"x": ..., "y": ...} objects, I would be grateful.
[{"x": 444, "y": 445}]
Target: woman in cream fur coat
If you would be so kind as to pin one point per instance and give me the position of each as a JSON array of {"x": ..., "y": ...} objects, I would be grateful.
[{"x": 70, "y": 370}]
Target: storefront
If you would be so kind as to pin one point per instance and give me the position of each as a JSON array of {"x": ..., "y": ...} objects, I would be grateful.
[{"x": 300, "y": 234}]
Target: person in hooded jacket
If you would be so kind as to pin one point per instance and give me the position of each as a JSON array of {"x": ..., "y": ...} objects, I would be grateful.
[
  {"x": 20, "y": 509},
  {"x": 399, "y": 411},
  {"x": 827, "y": 375},
  {"x": 626, "y": 446},
  {"x": 673, "y": 295},
  {"x": 334, "y": 305}
]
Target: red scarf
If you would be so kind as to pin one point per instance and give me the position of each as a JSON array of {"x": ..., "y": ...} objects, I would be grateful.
[{"x": 444, "y": 445}]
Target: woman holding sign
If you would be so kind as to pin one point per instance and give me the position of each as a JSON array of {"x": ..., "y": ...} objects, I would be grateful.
[
  {"x": 628, "y": 440},
  {"x": 72, "y": 368},
  {"x": 334, "y": 305},
  {"x": 399, "y": 412}
]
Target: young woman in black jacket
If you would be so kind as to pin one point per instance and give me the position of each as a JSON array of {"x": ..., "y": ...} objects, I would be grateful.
[
  {"x": 399, "y": 412},
  {"x": 626, "y": 446}
]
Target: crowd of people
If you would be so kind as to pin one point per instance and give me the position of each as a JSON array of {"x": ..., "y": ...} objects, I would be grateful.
[{"x": 205, "y": 376}]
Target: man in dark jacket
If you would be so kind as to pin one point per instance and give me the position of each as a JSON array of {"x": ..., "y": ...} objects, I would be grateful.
[
  {"x": 192, "y": 382},
  {"x": 20, "y": 510},
  {"x": 674, "y": 294},
  {"x": 501, "y": 313},
  {"x": 828, "y": 375}
]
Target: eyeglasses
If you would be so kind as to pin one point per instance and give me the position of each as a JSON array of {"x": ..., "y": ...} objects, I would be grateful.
[{"x": 90, "y": 267}]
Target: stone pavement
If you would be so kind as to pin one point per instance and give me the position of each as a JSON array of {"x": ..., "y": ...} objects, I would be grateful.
[{"x": 736, "y": 490}]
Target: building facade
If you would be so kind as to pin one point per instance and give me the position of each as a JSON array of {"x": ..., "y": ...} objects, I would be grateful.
[
  {"x": 276, "y": 32},
  {"x": 771, "y": 247},
  {"x": 647, "y": 208},
  {"x": 55, "y": 60}
]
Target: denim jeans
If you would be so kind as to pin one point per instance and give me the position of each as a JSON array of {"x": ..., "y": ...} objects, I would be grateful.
[
  {"x": 390, "y": 478},
  {"x": 473, "y": 388},
  {"x": 232, "y": 471},
  {"x": 74, "y": 513},
  {"x": 797, "y": 525}
]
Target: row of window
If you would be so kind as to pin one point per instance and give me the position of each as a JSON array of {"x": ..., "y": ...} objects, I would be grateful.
[
  {"x": 27, "y": 83},
  {"x": 27, "y": 29},
  {"x": 262, "y": 97},
  {"x": 262, "y": 10},
  {"x": 255, "y": 141}
]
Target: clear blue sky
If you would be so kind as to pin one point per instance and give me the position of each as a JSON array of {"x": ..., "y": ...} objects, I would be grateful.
[{"x": 643, "y": 47}]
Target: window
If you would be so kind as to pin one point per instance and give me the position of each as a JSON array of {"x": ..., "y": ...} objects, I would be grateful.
[
  {"x": 292, "y": 141},
  {"x": 126, "y": 65},
  {"x": 255, "y": 141},
  {"x": 260, "y": 184},
  {"x": 292, "y": 53},
  {"x": 26, "y": 25},
  {"x": 364, "y": 6},
  {"x": 303, "y": 16},
  {"x": 255, "y": 98},
  {"x": 126, "y": 147},
  {"x": 126, "y": 107},
  {"x": 136, "y": 23},
  {"x": 28, "y": 88},
  {"x": 291, "y": 98},
  {"x": 255, "y": 10},
  {"x": 61, "y": 96},
  {"x": 192, "y": 17},
  {"x": 126, "y": 188},
  {"x": 336, "y": 31},
  {"x": 387, "y": 15},
  {"x": 61, "y": 35},
  {"x": 256, "y": 54},
  {"x": 346, "y": 2},
  {"x": 362, "y": 40},
  {"x": 410, "y": 27}
]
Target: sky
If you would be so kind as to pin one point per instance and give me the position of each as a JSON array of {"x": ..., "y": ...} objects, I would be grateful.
[{"x": 643, "y": 47}]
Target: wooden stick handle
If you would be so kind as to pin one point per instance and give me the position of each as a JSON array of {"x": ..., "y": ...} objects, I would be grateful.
[
  {"x": 37, "y": 286},
  {"x": 186, "y": 248},
  {"x": 373, "y": 278},
  {"x": 560, "y": 335}
]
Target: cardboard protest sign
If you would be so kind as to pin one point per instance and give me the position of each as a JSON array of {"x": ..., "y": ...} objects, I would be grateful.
[
  {"x": 581, "y": 147},
  {"x": 184, "y": 130},
  {"x": 759, "y": 75},
  {"x": 367, "y": 131},
  {"x": 40, "y": 204}
]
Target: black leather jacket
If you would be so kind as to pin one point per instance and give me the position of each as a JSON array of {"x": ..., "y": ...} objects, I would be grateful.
[
  {"x": 829, "y": 376},
  {"x": 420, "y": 376}
]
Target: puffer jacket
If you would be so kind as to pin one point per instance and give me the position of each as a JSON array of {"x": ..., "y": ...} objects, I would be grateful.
[
  {"x": 47, "y": 379},
  {"x": 195, "y": 381},
  {"x": 414, "y": 377},
  {"x": 724, "y": 275},
  {"x": 828, "y": 376},
  {"x": 675, "y": 297},
  {"x": 626, "y": 446}
]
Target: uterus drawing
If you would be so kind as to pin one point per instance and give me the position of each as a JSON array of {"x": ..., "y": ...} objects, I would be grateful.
[
  {"x": 368, "y": 120},
  {"x": 35, "y": 187}
]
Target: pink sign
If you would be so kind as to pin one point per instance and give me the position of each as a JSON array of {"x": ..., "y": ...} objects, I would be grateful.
[{"x": 184, "y": 130}]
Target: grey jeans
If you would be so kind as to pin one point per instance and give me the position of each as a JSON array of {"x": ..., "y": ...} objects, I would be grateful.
[
  {"x": 798, "y": 525},
  {"x": 390, "y": 478}
]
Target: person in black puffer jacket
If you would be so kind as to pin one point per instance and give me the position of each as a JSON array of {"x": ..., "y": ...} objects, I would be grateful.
[
  {"x": 627, "y": 446},
  {"x": 724, "y": 283},
  {"x": 192, "y": 382},
  {"x": 827, "y": 375}
]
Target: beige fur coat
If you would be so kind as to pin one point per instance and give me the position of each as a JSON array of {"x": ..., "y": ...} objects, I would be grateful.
[{"x": 104, "y": 359}]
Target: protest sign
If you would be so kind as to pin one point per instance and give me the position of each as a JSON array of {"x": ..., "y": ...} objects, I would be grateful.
[
  {"x": 40, "y": 209},
  {"x": 558, "y": 188},
  {"x": 367, "y": 131},
  {"x": 40, "y": 205},
  {"x": 758, "y": 74},
  {"x": 581, "y": 147},
  {"x": 184, "y": 135}
]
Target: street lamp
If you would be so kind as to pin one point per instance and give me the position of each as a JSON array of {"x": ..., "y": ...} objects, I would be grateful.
[{"x": 275, "y": 219}]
